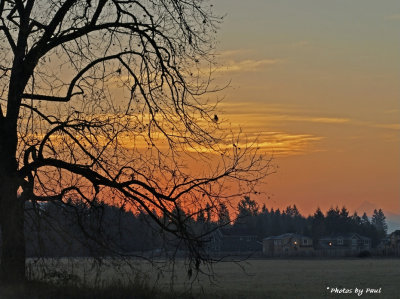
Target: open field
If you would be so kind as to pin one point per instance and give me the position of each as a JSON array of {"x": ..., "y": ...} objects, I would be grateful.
[
  {"x": 308, "y": 278},
  {"x": 263, "y": 278}
]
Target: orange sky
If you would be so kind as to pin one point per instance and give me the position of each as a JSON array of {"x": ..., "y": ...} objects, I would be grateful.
[{"x": 317, "y": 81}]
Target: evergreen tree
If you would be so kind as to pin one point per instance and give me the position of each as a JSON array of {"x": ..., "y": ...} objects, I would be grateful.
[
  {"x": 332, "y": 220},
  {"x": 356, "y": 220},
  {"x": 318, "y": 225},
  {"x": 379, "y": 221},
  {"x": 247, "y": 207},
  {"x": 356, "y": 223},
  {"x": 277, "y": 223},
  {"x": 201, "y": 218},
  {"x": 365, "y": 219},
  {"x": 264, "y": 209},
  {"x": 223, "y": 215},
  {"x": 344, "y": 213},
  {"x": 208, "y": 213},
  {"x": 344, "y": 220}
]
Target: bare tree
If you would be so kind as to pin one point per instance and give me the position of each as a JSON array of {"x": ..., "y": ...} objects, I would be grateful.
[{"x": 105, "y": 101}]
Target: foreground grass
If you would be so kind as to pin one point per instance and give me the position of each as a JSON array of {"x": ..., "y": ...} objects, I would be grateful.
[
  {"x": 40, "y": 290},
  {"x": 308, "y": 278},
  {"x": 251, "y": 279}
]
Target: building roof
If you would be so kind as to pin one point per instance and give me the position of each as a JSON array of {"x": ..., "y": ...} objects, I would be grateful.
[
  {"x": 345, "y": 236},
  {"x": 395, "y": 233}
]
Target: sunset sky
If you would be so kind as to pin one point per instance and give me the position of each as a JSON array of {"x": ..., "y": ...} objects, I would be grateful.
[{"x": 318, "y": 81}]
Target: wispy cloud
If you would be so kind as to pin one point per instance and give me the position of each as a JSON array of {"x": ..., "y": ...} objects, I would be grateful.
[
  {"x": 277, "y": 113},
  {"x": 299, "y": 118},
  {"x": 392, "y": 111},
  {"x": 376, "y": 125},
  {"x": 273, "y": 143},
  {"x": 393, "y": 17},
  {"x": 235, "y": 53},
  {"x": 300, "y": 44},
  {"x": 327, "y": 120},
  {"x": 388, "y": 126},
  {"x": 248, "y": 65},
  {"x": 285, "y": 144},
  {"x": 304, "y": 119},
  {"x": 253, "y": 113}
]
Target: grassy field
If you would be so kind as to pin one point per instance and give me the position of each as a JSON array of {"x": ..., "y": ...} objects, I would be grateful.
[
  {"x": 308, "y": 278},
  {"x": 269, "y": 278}
]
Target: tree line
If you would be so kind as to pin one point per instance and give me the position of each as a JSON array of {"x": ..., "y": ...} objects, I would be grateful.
[
  {"x": 269, "y": 222},
  {"x": 75, "y": 229}
]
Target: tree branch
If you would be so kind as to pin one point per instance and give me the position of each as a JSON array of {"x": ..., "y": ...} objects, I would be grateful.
[
  {"x": 8, "y": 36},
  {"x": 73, "y": 82}
]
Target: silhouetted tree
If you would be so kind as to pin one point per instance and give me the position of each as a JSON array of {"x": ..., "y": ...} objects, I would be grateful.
[
  {"x": 264, "y": 209},
  {"x": 344, "y": 220},
  {"x": 201, "y": 218},
  {"x": 247, "y": 207},
  {"x": 208, "y": 213},
  {"x": 365, "y": 219},
  {"x": 379, "y": 221},
  {"x": 99, "y": 99},
  {"x": 332, "y": 220},
  {"x": 292, "y": 211},
  {"x": 356, "y": 220},
  {"x": 318, "y": 228},
  {"x": 223, "y": 214},
  {"x": 276, "y": 223}
]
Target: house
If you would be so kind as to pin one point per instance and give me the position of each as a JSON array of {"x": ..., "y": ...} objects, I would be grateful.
[
  {"x": 390, "y": 245},
  {"x": 289, "y": 244},
  {"x": 343, "y": 244},
  {"x": 395, "y": 242}
]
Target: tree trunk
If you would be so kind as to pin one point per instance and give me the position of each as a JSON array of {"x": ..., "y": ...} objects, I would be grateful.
[
  {"x": 12, "y": 269},
  {"x": 13, "y": 241}
]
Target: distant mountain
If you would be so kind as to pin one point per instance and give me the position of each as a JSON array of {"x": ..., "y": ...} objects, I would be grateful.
[{"x": 392, "y": 219}]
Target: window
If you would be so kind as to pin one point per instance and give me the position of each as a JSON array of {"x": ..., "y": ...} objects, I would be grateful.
[
  {"x": 340, "y": 241},
  {"x": 305, "y": 242},
  {"x": 354, "y": 242}
]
